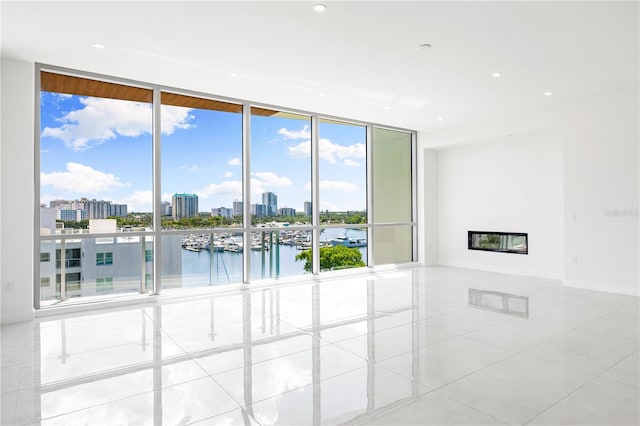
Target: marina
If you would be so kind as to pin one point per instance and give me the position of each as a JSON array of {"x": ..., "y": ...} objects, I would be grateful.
[{"x": 268, "y": 259}]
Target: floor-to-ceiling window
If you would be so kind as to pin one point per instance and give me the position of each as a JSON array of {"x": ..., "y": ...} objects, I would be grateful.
[
  {"x": 392, "y": 196},
  {"x": 201, "y": 182},
  {"x": 144, "y": 188},
  {"x": 342, "y": 181},
  {"x": 280, "y": 182},
  {"x": 96, "y": 181}
]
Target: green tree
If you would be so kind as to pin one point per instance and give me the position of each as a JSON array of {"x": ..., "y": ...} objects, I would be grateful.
[{"x": 331, "y": 258}]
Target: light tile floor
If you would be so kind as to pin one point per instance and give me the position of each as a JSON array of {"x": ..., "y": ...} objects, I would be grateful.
[{"x": 394, "y": 348}]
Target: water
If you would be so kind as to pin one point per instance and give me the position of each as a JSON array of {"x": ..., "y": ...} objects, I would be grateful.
[{"x": 212, "y": 268}]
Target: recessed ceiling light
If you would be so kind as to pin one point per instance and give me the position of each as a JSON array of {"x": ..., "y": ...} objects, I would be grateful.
[
  {"x": 424, "y": 46},
  {"x": 548, "y": 93},
  {"x": 233, "y": 74},
  {"x": 320, "y": 7},
  {"x": 99, "y": 45},
  {"x": 439, "y": 118},
  {"x": 387, "y": 108},
  {"x": 496, "y": 74},
  {"x": 323, "y": 94}
]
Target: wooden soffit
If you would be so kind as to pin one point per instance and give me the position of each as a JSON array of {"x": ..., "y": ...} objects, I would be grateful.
[
  {"x": 174, "y": 99},
  {"x": 70, "y": 85}
]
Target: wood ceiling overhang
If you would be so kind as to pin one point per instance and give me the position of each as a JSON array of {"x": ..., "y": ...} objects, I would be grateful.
[{"x": 72, "y": 85}]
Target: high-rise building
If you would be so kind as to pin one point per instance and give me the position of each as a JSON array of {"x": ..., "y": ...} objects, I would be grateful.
[
  {"x": 270, "y": 200},
  {"x": 184, "y": 206},
  {"x": 308, "y": 208},
  {"x": 286, "y": 211},
  {"x": 119, "y": 210},
  {"x": 166, "y": 208},
  {"x": 69, "y": 215},
  {"x": 259, "y": 210},
  {"x": 57, "y": 203},
  {"x": 98, "y": 209},
  {"x": 222, "y": 212},
  {"x": 82, "y": 209},
  {"x": 237, "y": 208}
]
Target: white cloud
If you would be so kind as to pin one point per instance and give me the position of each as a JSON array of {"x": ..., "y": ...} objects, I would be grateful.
[
  {"x": 61, "y": 95},
  {"x": 194, "y": 168},
  {"x": 101, "y": 119},
  {"x": 350, "y": 163},
  {"x": 173, "y": 117},
  {"x": 334, "y": 185},
  {"x": 231, "y": 188},
  {"x": 272, "y": 179},
  {"x": 234, "y": 162},
  {"x": 302, "y": 150},
  {"x": 257, "y": 188},
  {"x": 228, "y": 174},
  {"x": 330, "y": 151},
  {"x": 81, "y": 179},
  {"x": 303, "y": 133},
  {"x": 139, "y": 201}
]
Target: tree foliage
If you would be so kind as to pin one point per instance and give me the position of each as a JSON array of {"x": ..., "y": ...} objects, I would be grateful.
[{"x": 331, "y": 258}]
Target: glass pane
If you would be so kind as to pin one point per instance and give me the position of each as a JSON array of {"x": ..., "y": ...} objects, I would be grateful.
[
  {"x": 95, "y": 156},
  {"x": 49, "y": 291},
  {"x": 507, "y": 242},
  {"x": 201, "y": 259},
  {"x": 281, "y": 253},
  {"x": 392, "y": 244},
  {"x": 90, "y": 267},
  {"x": 391, "y": 176},
  {"x": 201, "y": 163},
  {"x": 280, "y": 167},
  {"x": 342, "y": 248},
  {"x": 343, "y": 173}
]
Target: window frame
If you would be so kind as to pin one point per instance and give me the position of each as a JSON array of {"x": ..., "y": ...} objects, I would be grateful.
[
  {"x": 104, "y": 258},
  {"x": 471, "y": 245},
  {"x": 156, "y": 232}
]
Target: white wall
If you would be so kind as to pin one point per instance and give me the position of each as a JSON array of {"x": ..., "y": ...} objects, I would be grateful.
[
  {"x": 16, "y": 190},
  {"x": 601, "y": 188},
  {"x": 571, "y": 181},
  {"x": 509, "y": 186},
  {"x": 428, "y": 205}
]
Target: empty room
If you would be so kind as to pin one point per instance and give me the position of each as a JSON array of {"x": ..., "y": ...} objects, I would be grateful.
[{"x": 451, "y": 238}]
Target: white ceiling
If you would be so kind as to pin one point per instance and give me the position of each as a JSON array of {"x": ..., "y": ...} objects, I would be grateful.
[{"x": 362, "y": 55}]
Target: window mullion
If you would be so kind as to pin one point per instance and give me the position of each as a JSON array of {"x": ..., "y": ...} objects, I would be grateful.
[
  {"x": 315, "y": 195},
  {"x": 157, "y": 192}
]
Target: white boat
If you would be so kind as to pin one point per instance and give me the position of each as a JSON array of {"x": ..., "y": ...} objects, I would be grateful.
[
  {"x": 257, "y": 246},
  {"x": 233, "y": 246},
  {"x": 344, "y": 240}
]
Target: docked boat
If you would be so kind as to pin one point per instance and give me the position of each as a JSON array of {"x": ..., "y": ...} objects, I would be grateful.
[
  {"x": 344, "y": 240},
  {"x": 233, "y": 246},
  {"x": 257, "y": 246}
]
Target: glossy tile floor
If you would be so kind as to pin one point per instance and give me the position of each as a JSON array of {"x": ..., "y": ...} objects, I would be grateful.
[{"x": 394, "y": 348}]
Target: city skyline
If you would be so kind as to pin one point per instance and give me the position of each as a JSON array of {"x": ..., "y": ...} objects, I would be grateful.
[
  {"x": 66, "y": 207},
  {"x": 102, "y": 148}
]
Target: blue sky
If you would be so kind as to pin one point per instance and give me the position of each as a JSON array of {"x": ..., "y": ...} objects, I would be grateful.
[{"x": 101, "y": 148}]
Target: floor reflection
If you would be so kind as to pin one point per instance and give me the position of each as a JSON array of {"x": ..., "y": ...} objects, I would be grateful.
[{"x": 327, "y": 352}]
